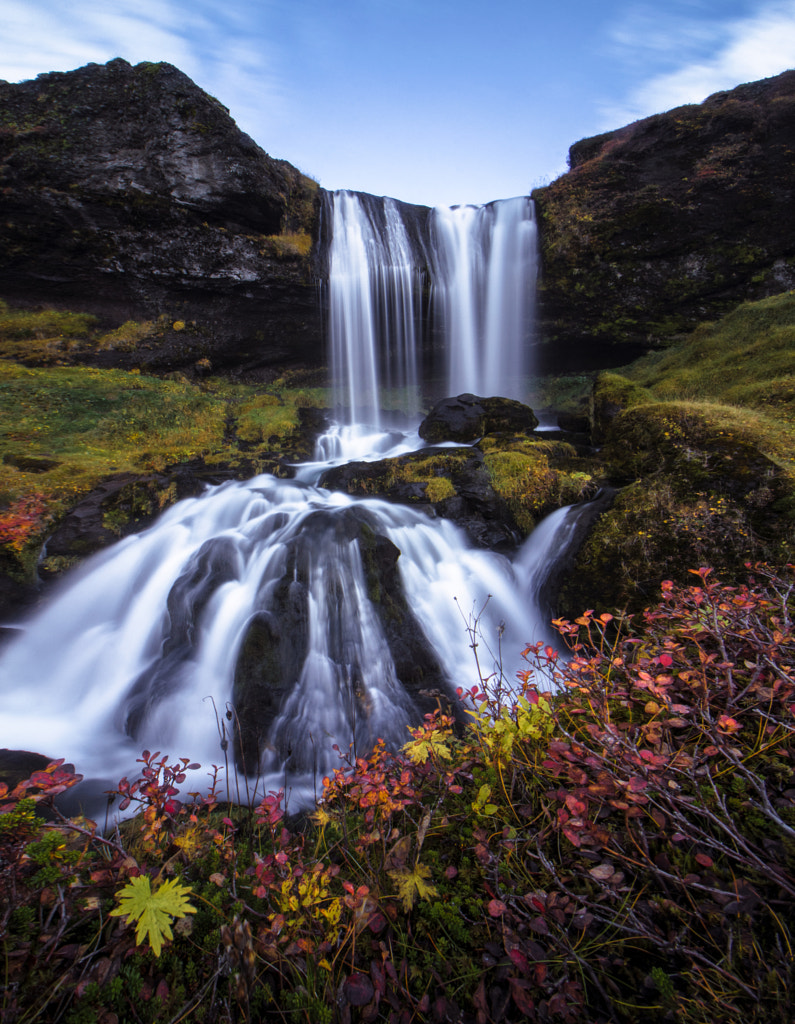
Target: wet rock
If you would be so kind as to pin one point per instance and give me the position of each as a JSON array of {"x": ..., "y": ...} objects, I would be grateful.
[
  {"x": 450, "y": 482},
  {"x": 468, "y": 417},
  {"x": 277, "y": 641}
]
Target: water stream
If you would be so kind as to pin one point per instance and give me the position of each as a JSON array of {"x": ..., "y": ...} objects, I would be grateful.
[{"x": 268, "y": 596}]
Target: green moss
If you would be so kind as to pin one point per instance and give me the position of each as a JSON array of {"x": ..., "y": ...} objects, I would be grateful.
[
  {"x": 66, "y": 428},
  {"x": 41, "y": 335},
  {"x": 747, "y": 358},
  {"x": 439, "y": 488},
  {"x": 532, "y": 487},
  {"x": 128, "y": 336},
  {"x": 265, "y": 417}
]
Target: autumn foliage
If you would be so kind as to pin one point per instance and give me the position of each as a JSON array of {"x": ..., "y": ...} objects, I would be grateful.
[
  {"x": 23, "y": 520},
  {"x": 610, "y": 838}
]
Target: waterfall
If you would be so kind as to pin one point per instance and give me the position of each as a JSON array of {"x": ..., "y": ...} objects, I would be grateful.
[
  {"x": 139, "y": 639},
  {"x": 318, "y": 619},
  {"x": 484, "y": 275},
  {"x": 374, "y": 291},
  {"x": 478, "y": 265}
]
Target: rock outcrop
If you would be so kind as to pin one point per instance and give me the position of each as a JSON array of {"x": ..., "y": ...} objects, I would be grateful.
[
  {"x": 130, "y": 193},
  {"x": 467, "y": 417},
  {"x": 667, "y": 222}
]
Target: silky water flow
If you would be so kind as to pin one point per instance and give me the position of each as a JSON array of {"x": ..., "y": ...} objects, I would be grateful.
[{"x": 140, "y": 647}]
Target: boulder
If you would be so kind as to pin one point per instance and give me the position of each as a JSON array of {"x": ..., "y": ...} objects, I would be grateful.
[{"x": 466, "y": 418}]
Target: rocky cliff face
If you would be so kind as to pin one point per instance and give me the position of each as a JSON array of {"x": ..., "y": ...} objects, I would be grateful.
[
  {"x": 669, "y": 221},
  {"x": 130, "y": 193}
]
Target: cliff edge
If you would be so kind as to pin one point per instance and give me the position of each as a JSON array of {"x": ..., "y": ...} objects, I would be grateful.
[{"x": 128, "y": 192}]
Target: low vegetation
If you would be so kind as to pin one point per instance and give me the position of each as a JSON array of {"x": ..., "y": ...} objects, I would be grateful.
[
  {"x": 612, "y": 841},
  {"x": 66, "y": 427},
  {"x": 701, "y": 439}
]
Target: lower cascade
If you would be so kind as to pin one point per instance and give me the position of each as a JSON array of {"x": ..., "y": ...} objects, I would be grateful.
[
  {"x": 266, "y": 623},
  {"x": 262, "y": 596}
]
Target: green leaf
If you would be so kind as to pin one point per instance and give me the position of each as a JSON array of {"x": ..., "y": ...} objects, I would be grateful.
[{"x": 154, "y": 911}]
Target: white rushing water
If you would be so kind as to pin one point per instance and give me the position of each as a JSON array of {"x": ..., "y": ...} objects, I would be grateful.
[
  {"x": 136, "y": 646},
  {"x": 374, "y": 286},
  {"x": 127, "y": 655},
  {"x": 484, "y": 261},
  {"x": 478, "y": 266}
]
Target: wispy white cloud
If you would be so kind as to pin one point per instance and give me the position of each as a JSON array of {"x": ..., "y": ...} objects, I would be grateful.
[{"x": 737, "y": 51}]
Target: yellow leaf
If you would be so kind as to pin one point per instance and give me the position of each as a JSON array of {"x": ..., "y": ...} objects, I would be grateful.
[
  {"x": 153, "y": 911},
  {"x": 411, "y": 884},
  {"x": 420, "y": 750}
]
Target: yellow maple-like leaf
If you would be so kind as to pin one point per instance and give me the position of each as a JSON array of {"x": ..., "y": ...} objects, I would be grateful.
[
  {"x": 153, "y": 911},
  {"x": 411, "y": 884},
  {"x": 420, "y": 750}
]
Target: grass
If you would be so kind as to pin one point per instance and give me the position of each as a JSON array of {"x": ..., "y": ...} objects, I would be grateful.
[
  {"x": 746, "y": 359},
  {"x": 737, "y": 375},
  {"x": 67, "y": 428},
  {"x": 93, "y": 422}
]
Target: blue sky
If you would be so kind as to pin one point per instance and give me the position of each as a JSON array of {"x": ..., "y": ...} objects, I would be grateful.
[{"x": 431, "y": 101}]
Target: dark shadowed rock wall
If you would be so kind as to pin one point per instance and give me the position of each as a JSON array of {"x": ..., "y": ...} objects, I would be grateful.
[
  {"x": 130, "y": 193},
  {"x": 666, "y": 222}
]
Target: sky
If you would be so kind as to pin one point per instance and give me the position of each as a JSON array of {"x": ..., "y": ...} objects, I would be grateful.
[{"x": 436, "y": 102}]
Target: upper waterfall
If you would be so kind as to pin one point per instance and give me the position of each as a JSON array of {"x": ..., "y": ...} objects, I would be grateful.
[
  {"x": 484, "y": 277},
  {"x": 458, "y": 282}
]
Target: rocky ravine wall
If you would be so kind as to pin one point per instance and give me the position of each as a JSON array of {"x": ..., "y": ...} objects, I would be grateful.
[
  {"x": 130, "y": 193},
  {"x": 667, "y": 222}
]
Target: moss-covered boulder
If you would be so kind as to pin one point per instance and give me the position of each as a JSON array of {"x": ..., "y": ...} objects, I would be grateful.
[
  {"x": 454, "y": 483},
  {"x": 497, "y": 490},
  {"x": 695, "y": 492}
]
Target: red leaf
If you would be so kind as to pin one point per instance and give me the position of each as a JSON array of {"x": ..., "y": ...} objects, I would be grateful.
[
  {"x": 576, "y": 806},
  {"x": 572, "y": 837},
  {"x": 496, "y": 908},
  {"x": 376, "y": 923},
  {"x": 520, "y": 960},
  {"x": 704, "y": 860},
  {"x": 358, "y": 989},
  {"x": 524, "y": 1004}
]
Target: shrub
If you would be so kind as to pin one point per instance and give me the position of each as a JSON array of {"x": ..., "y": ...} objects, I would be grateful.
[{"x": 610, "y": 838}]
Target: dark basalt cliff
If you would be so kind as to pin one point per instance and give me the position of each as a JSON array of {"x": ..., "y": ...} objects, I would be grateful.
[
  {"x": 130, "y": 193},
  {"x": 669, "y": 221}
]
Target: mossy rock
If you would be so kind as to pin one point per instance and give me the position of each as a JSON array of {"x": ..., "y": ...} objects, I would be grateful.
[
  {"x": 450, "y": 482},
  {"x": 536, "y": 477},
  {"x": 611, "y": 395},
  {"x": 695, "y": 494}
]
